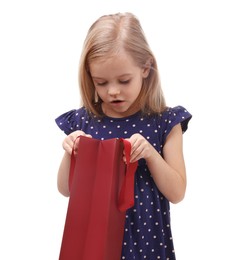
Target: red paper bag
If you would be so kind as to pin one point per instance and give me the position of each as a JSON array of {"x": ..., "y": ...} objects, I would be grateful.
[{"x": 101, "y": 190}]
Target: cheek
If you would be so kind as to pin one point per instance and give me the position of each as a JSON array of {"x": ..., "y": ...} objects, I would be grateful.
[
  {"x": 100, "y": 92},
  {"x": 138, "y": 88}
]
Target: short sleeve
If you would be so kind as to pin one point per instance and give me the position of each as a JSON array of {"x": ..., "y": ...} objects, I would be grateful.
[
  {"x": 70, "y": 121},
  {"x": 172, "y": 117}
]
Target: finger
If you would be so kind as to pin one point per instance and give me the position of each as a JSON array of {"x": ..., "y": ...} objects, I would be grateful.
[
  {"x": 135, "y": 145},
  {"x": 68, "y": 141},
  {"x": 137, "y": 155},
  {"x": 68, "y": 148}
]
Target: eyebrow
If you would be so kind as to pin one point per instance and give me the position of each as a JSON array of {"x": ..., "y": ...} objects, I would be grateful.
[{"x": 123, "y": 75}]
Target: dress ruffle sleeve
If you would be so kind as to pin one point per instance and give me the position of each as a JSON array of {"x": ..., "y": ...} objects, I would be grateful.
[
  {"x": 67, "y": 122},
  {"x": 173, "y": 116}
]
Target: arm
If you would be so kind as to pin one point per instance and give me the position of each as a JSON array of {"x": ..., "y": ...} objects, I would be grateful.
[
  {"x": 64, "y": 168},
  {"x": 168, "y": 171},
  {"x": 63, "y": 175}
]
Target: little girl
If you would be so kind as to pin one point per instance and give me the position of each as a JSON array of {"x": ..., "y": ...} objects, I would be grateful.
[{"x": 122, "y": 98}]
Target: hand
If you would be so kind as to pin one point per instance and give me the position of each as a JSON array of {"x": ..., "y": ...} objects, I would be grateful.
[
  {"x": 68, "y": 142},
  {"x": 140, "y": 148}
]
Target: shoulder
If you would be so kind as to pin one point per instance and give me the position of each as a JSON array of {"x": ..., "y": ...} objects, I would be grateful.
[{"x": 70, "y": 120}]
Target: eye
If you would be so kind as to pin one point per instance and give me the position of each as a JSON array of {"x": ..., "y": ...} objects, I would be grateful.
[
  {"x": 124, "y": 82},
  {"x": 101, "y": 83}
]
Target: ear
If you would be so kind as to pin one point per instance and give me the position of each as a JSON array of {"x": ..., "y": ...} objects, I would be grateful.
[{"x": 146, "y": 69}]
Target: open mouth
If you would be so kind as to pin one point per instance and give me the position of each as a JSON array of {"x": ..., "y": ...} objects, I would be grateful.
[{"x": 116, "y": 101}]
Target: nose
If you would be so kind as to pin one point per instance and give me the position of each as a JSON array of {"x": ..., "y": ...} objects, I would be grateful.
[{"x": 113, "y": 91}]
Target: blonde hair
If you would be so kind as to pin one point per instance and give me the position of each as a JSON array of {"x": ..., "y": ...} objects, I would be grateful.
[{"x": 105, "y": 38}]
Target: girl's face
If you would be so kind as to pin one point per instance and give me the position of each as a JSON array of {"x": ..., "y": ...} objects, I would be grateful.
[{"x": 118, "y": 82}]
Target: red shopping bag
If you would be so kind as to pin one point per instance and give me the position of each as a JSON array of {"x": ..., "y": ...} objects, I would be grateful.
[{"x": 101, "y": 190}]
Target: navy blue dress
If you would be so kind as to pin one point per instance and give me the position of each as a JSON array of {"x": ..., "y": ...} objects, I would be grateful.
[{"x": 147, "y": 228}]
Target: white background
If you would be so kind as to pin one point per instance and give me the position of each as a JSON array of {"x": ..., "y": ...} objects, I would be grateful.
[{"x": 39, "y": 53}]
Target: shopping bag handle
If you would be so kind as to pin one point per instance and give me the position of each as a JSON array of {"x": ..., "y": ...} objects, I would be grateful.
[
  {"x": 72, "y": 165},
  {"x": 126, "y": 198}
]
